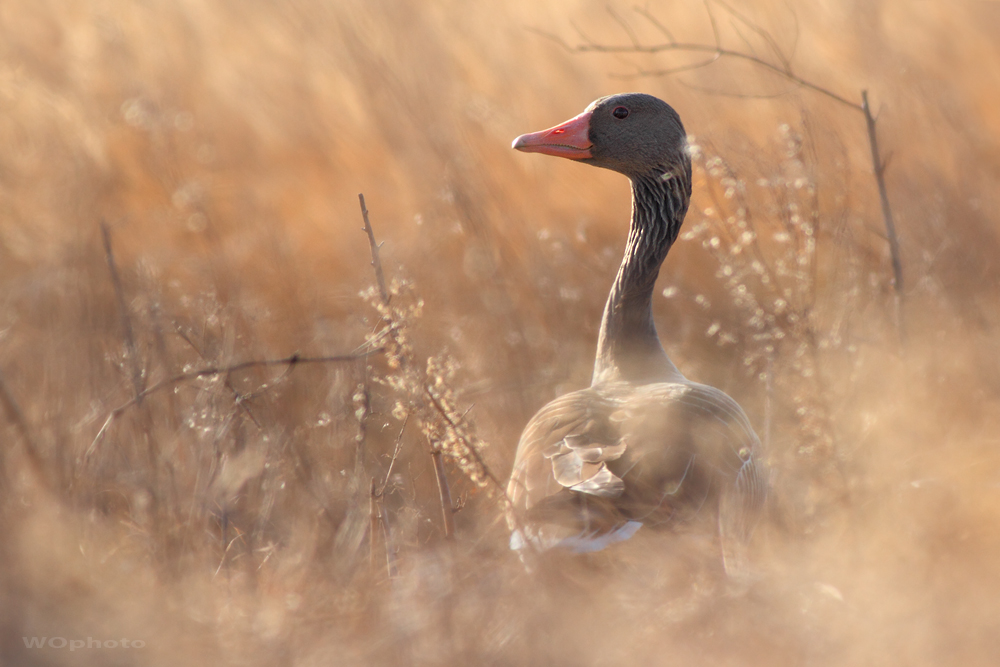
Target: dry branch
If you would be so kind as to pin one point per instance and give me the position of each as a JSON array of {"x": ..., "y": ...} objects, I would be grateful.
[
  {"x": 446, "y": 430},
  {"x": 472, "y": 449},
  {"x": 239, "y": 398},
  {"x": 130, "y": 345},
  {"x": 444, "y": 494},
  {"x": 376, "y": 262},
  {"x": 395, "y": 455},
  {"x": 380, "y": 523},
  {"x": 444, "y": 491},
  {"x": 379, "y": 518},
  {"x": 16, "y": 417},
  {"x": 878, "y": 165},
  {"x": 290, "y": 361},
  {"x": 782, "y": 68}
]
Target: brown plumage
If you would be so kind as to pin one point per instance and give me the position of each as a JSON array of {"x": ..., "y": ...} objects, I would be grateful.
[{"x": 643, "y": 445}]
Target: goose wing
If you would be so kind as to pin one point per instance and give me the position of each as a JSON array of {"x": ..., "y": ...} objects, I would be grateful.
[
  {"x": 668, "y": 426},
  {"x": 567, "y": 446},
  {"x": 594, "y": 460}
]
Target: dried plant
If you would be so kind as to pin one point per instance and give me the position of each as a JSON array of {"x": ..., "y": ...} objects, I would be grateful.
[
  {"x": 422, "y": 388},
  {"x": 767, "y": 263}
]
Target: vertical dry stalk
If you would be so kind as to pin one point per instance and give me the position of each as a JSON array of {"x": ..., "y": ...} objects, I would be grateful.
[
  {"x": 772, "y": 282},
  {"x": 380, "y": 524},
  {"x": 444, "y": 490},
  {"x": 376, "y": 263},
  {"x": 878, "y": 164},
  {"x": 375, "y": 519},
  {"x": 426, "y": 392},
  {"x": 16, "y": 417},
  {"x": 444, "y": 493},
  {"x": 130, "y": 345},
  {"x": 137, "y": 376}
]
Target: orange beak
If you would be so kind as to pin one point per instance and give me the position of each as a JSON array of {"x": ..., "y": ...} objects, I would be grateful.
[{"x": 569, "y": 139}]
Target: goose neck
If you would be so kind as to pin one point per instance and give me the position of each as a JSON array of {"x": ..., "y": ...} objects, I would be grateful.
[{"x": 629, "y": 348}]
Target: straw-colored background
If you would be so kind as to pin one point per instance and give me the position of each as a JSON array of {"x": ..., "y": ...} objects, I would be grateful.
[{"x": 224, "y": 142}]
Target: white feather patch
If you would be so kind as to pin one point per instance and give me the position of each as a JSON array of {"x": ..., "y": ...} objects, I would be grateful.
[
  {"x": 605, "y": 484},
  {"x": 582, "y": 543}
]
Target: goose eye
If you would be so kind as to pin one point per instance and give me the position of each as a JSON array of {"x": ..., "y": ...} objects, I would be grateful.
[{"x": 620, "y": 112}]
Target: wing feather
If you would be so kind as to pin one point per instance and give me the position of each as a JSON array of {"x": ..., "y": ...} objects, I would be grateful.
[{"x": 636, "y": 451}]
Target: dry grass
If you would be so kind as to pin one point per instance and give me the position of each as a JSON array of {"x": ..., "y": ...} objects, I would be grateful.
[{"x": 228, "y": 519}]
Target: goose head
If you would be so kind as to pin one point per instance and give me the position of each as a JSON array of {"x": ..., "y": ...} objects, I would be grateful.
[{"x": 635, "y": 134}]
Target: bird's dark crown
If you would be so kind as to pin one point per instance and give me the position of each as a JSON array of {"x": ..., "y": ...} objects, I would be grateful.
[{"x": 637, "y": 135}]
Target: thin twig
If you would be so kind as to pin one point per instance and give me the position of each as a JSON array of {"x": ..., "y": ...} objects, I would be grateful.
[
  {"x": 395, "y": 455},
  {"x": 642, "y": 11},
  {"x": 579, "y": 31},
  {"x": 374, "y": 520},
  {"x": 715, "y": 25},
  {"x": 16, "y": 417},
  {"x": 132, "y": 349},
  {"x": 676, "y": 70},
  {"x": 763, "y": 34},
  {"x": 795, "y": 40},
  {"x": 735, "y": 96},
  {"x": 720, "y": 52},
  {"x": 130, "y": 345},
  {"x": 736, "y": 28},
  {"x": 444, "y": 492},
  {"x": 238, "y": 398},
  {"x": 381, "y": 517},
  {"x": 225, "y": 552},
  {"x": 879, "y": 167},
  {"x": 632, "y": 37},
  {"x": 890, "y": 228},
  {"x": 290, "y": 361},
  {"x": 376, "y": 262},
  {"x": 390, "y": 548},
  {"x": 784, "y": 69},
  {"x": 472, "y": 450},
  {"x": 768, "y": 400}
]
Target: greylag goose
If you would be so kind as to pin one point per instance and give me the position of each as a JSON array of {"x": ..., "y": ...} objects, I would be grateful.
[{"x": 643, "y": 445}]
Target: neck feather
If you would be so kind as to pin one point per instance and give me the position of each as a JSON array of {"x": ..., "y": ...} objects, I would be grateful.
[{"x": 628, "y": 347}]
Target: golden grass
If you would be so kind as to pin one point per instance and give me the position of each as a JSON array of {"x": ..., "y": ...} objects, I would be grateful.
[{"x": 228, "y": 521}]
